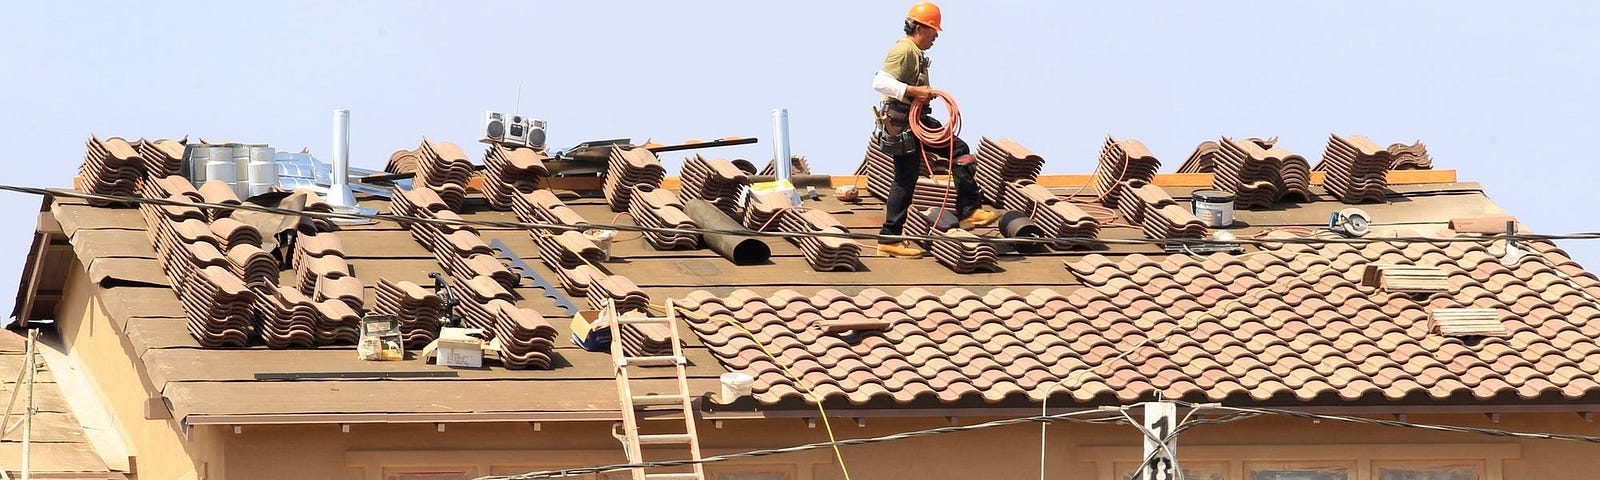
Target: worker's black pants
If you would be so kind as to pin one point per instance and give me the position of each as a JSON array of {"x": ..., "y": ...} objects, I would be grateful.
[{"x": 906, "y": 169}]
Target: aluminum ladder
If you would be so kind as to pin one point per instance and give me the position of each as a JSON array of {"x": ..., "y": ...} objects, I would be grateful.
[{"x": 632, "y": 404}]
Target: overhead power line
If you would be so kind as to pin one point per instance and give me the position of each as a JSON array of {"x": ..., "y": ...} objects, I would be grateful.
[
  {"x": 1395, "y": 423},
  {"x": 1057, "y": 241}
]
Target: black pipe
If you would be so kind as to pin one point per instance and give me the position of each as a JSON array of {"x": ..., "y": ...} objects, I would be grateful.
[
  {"x": 1014, "y": 224},
  {"x": 741, "y": 249}
]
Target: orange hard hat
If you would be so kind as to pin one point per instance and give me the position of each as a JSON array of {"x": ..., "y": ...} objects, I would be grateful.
[{"x": 925, "y": 13}]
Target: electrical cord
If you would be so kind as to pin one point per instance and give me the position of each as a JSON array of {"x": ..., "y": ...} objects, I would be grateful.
[{"x": 934, "y": 137}]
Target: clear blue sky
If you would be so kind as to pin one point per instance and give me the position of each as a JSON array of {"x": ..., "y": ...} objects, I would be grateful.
[{"x": 1501, "y": 91}]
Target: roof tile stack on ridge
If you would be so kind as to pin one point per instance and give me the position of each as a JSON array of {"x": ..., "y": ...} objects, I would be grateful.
[
  {"x": 443, "y": 168},
  {"x": 509, "y": 171},
  {"x": 1059, "y": 218},
  {"x": 569, "y": 253},
  {"x": 1357, "y": 169},
  {"x": 797, "y": 166},
  {"x": 659, "y": 208},
  {"x": 457, "y": 247},
  {"x": 1289, "y": 326},
  {"x": 958, "y": 251},
  {"x": 1294, "y": 174},
  {"x": 417, "y": 310},
  {"x": 716, "y": 180},
  {"x": 403, "y": 161},
  {"x": 1157, "y": 213},
  {"x": 111, "y": 167},
  {"x": 162, "y": 157},
  {"x": 1003, "y": 161},
  {"x": 1121, "y": 161},
  {"x": 216, "y": 300},
  {"x": 1410, "y": 157},
  {"x": 1244, "y": 169},
  {"x": 629, "y": 167},
  {"x": 1203, "y": 159}
]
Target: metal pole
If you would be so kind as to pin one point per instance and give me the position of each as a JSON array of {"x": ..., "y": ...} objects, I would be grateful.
[
  {"x": 781, "y": 157},
  {"x": 27, "y": 419}
]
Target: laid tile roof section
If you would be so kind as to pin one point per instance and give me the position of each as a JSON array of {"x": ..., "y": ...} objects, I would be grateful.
[
  {"x": 1357, "y": 169},
  {"x": 1410, "y": 157},
  {"x": 659, "y": 208},
  {"x": 629, "y": 167},
  {"x": 443, "y": 168},
  {"x": 417, "y": 310},
  {"x": 1157, "y": 213},
  {"x": 1004, "y": 161},
  {"x": 1122, "y": 161},
  {"x": 959, "y": 252},
  {"x": 1058, "y": 217},
  {"x": 110, "y": 167},
  {"x": 715, "y": 180},
  {"x": 1288, "y": 325},
  {"x": 508, "y": 171}
]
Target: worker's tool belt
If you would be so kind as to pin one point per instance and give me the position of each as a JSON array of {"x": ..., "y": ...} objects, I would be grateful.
[{"x": 894, "y": 136}]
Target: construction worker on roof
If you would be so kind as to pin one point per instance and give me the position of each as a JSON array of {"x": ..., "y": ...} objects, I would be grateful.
[{"x": 902, "y": 81}]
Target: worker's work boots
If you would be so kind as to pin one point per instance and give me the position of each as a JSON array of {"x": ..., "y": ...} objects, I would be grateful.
[
  {"x": 980, "y": 218},
  {"x": 899, "y": 250}
]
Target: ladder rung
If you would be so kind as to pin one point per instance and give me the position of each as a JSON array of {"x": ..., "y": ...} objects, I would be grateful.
[
  {"x": 656, "y": 360},
  {"x": 640, "y": 320},
  {"x": 642, "y": 400},
  {"x": 672, "y": 476},
  {"x": 663, "y": 439}
]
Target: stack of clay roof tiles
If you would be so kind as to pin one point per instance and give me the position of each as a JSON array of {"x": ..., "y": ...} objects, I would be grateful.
[
  {"x": 1121, "y": 161},
  {"x": 1356, "y": 169},
  {"x": 569, "y": 253},
  {"x": 111, "y": 167},
  {"x": 629, "y": 167},
  {"x": 459, "y": 249},
  {"x": 217, "y": 192},
  {"x": 403, "y": 161},
  {"x": 958, "y": 250},
  {"x": 1259, "y": 174},
  {"x": 1203, "y": 159},
  {"x": 443, "y": 168},
  {"x": 797, "y": 166},
  {"x": 162, "y": 157},
  {"x": 932, "y": 193},
  {"x": 215, "y": 298},
  {"x": 878, "y": 167},
  {"x": 716, "y": 180},
  {"x": 1059, "y": 218},
  {"x": 1289, "y": 325},
  {"x": 1157, "y": 213},
  {"x": 287, "y": 317},
  {"x": 822, "y": 253},
  {"x": 323, "y": 279},
  {"x": 659, "y": 208},
  {"x": 619, "y": 290},
  {"x": 509, "y": 171},
  {"x": 1003, "y": 161},
  {"x": 1410, "y": 157},
  {"x": 416, "y": 309},
  {"x": 645, "y": 339},
  {"x": 525, "y": 338}
]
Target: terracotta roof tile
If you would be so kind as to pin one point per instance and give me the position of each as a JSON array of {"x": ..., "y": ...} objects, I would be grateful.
[
  {"x": 659, "y": 208},
  {"x": 416, "y": 309},
  {"x": 443, "y": 169},
  {"x": 716, "y": 180},
  {"x": 1121, "y": 161},
  {"x": 510, "y": 171},
  {"x": 1001, "y": 162},
  {"x": 629, "y": 167},
  {"x": 1356, "y": 169}
]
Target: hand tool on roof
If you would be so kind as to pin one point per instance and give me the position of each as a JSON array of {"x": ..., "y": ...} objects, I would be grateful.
[
  {"x": 523, "y": 269},
  {"x": 1350, "y": 222},
  {"x": 629, "y": 436},
  {"x": 447, "y": 316}
]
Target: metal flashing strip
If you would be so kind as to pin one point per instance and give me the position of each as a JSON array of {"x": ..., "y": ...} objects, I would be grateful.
[{"x": 522, "y": 268}]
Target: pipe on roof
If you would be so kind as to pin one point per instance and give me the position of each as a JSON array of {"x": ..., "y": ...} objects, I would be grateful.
[
  {"x": 1014, "y": 224},
  {"x": 740, "y": 249}
]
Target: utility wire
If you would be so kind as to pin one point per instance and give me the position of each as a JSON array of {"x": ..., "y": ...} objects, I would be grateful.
[
  {"x": 1395, "y": 423},
  {"x": 1057, "y": 241},
  {"x": 1068, "y": 417}
]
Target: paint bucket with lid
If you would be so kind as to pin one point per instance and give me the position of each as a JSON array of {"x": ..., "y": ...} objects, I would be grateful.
[
  {"x": 1213, "y": 207},
  {"x": 602, "y": 238}
]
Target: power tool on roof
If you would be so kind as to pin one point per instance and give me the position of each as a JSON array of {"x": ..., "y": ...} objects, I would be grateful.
[
  {"x": 1350, "y": 222},
  {"x": 447, "y": 316}
]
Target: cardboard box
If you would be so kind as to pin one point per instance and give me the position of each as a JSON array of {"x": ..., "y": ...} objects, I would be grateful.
[
  {"x": 457, "y": 347},
  {"x": 589, "y": 332}
]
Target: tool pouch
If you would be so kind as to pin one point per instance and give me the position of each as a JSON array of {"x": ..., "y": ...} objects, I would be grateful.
[{"x": 893, "y": 136}]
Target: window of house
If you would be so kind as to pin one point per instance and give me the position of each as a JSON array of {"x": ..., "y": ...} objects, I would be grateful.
[
  {"x": 1299, "y": 470},
  {"x": 1435, "y": 470},
  {"x": 751, "y": 472},
  {"x": 1192, "y": 470}
]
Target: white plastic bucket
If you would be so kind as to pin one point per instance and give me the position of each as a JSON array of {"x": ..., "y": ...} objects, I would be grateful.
[
  {"x": 601, "y": 238},
  {"x": 735, "y": 385},
  {"x": 1213, "y": 207}
]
